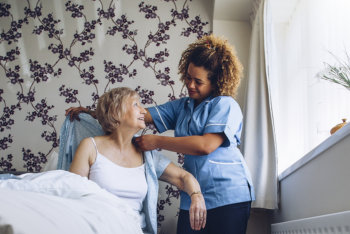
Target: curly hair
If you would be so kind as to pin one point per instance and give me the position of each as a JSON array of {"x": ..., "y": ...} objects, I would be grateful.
[
  {"x": 111, "y": 107},
  {"x": 218, "y": 57}
]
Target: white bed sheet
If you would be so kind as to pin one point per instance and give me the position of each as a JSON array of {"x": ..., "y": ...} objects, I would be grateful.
[{"x": 62, "y": 202}]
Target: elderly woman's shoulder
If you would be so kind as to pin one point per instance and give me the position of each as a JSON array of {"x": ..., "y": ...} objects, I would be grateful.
[{"x": 86, "y": 141}]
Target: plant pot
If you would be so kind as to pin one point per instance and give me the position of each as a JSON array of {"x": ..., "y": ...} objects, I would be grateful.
[{"x": 338, "y": 126}]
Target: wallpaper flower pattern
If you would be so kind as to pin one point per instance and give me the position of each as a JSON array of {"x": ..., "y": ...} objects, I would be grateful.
[{"x": 57, "y": 54}]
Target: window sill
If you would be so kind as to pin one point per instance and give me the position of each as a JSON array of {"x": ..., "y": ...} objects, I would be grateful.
[{"x": 323, "y": 146}]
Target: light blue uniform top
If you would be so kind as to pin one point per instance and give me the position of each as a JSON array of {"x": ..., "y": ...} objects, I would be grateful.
[{"x": 223, "y": 175}]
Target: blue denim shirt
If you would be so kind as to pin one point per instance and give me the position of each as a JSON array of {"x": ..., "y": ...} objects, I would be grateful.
[
  {"x": 223, "y": 174},
  {"x": 73, "y": 132}
]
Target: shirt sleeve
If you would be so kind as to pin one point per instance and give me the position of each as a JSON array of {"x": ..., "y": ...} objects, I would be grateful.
[
  {"x": 164, "y": 116},
  {"x": 225, "y": 116},
  {"x": 160, "y": 162}
]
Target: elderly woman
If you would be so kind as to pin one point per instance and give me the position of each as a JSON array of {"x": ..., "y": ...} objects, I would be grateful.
[{"x": 113, "y": 161}]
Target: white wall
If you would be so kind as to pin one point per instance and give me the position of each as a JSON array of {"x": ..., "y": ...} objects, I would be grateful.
[
  {"x": 238, "y": 34},
  {"x": 319, "y": 187}
]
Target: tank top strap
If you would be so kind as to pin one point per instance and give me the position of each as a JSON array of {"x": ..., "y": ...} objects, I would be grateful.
[{"x": 93, "y": 141}]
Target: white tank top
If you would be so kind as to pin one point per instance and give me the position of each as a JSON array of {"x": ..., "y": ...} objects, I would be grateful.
[{"x": 127, "y": 183}]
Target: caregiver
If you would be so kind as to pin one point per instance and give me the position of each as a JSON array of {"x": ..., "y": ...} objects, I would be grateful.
[{"x": 208, "y": 127}]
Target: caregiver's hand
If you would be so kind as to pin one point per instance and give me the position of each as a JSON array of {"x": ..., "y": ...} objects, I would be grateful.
[
  {"x": 74, "y": 112},
  {"x": 198, "y": 212},
  {"x": 146, "y": 142}
]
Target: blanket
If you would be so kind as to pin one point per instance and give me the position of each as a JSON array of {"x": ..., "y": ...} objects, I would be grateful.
[{"x": 62, "y": 202}]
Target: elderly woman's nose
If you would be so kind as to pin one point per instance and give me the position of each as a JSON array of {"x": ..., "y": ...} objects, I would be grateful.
[{"x": 143, "y": 110}]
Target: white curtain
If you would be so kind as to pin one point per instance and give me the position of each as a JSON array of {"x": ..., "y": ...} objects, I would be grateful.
[
  {"x": 258, "y": 134},
  {"x": 303, "y": 34}
]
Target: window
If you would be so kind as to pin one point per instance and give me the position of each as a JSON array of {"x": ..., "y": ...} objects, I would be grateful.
[{"x": 302, "y": 36}]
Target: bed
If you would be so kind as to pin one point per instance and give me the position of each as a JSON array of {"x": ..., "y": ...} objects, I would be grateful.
[
  {"x": 58, "y": 201},
  {"x": 61, "y": 202}
]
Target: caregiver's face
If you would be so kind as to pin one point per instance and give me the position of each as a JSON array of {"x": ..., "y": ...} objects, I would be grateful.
[{"x": 197, "y": 83}]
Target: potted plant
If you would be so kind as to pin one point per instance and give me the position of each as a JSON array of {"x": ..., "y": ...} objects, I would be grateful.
[{"x": 338, "y": 74}]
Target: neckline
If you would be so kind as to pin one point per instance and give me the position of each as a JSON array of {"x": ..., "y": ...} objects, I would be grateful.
[
  {"x": 110, "y": 161},
  {"x": 192, "y": 103},
  {"x": 103, "y": 156}
]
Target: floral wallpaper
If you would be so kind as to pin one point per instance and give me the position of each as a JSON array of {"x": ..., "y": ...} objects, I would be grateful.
[{"x": 58, "y": 54}]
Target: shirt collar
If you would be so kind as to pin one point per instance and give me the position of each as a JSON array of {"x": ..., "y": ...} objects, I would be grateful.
[{"x": 190, "y": 102}]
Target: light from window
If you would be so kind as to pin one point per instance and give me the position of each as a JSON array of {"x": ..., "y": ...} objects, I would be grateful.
[{"x": 302, "y": 36}]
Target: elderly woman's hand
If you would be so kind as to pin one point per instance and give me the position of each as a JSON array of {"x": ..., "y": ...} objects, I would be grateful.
[
  {"x": 185, "y": 181},
  {"x": 198, "y": 212}
]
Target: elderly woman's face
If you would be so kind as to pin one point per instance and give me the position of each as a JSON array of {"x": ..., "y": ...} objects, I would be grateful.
[{"x": 134, "y": 115}]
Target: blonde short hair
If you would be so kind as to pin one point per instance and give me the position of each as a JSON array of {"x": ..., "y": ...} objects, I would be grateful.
[
  {"x": 218, "y": 57},
  {"x": 111, "y": 107}
]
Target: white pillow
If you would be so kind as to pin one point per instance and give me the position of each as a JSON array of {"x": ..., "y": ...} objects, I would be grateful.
[
  {"x": 51, "y": 163},
  {"x": 55, "y": 182}
]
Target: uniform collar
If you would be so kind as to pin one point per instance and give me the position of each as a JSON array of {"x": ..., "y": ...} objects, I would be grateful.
[{"x": 190, "y": 102}]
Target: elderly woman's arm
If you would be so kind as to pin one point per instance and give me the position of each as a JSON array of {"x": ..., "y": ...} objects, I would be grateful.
[
  {"x": 82, "y": 158},
  {"x": 186, "y": 182}
]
